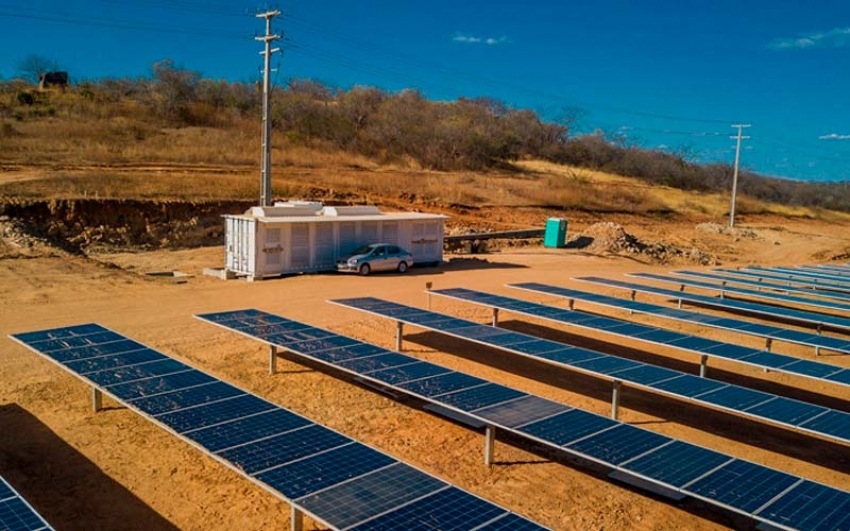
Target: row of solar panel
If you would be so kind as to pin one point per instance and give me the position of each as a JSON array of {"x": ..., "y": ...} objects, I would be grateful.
[
  {"x": 768, "y": 495},
  {"x": 818, "y": 319},
  {"x": 763, "y": 406},
  {"x": 657, "y": 336},
  {"x": 731, "y": 324},
  {"x": 762, "y": 284},
  {"x": 787, "y": 299},
  {"x": 16, "y": 514},
  {"x": 778, "y": 278},
  {"x": 343, "y": 483},
  {"x": 817, "y": 273}
]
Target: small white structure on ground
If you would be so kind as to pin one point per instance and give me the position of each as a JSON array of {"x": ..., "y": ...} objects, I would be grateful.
[{"x": 305, "y": 236}]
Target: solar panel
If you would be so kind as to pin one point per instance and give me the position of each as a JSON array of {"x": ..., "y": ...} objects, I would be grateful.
[
  {"x": 695, "y": 389},
  {"x": 783, "y": 299},
  {"x": 632, "y": 450},
  {"x": 725, "y": 323},
  {"x": 812, "y": 277},
  {"x": 303, "y": 462},
  {"x": 16, "y": 514},
  {"x": 699, "y": 345},
  {"x": 811, "y": 284},
  {"x": 774, "y": 286},
  {"x": 818, "y": 319}
]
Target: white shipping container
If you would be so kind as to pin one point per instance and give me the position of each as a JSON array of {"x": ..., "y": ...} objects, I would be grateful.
[{"x": 304, "y": 237}]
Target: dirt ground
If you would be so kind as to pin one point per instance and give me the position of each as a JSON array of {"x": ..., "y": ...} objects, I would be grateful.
[{"x": 114, "y": 470}]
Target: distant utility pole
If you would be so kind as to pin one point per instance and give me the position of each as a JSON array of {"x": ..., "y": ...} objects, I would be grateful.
[
  {"x": 738, "y": 137},
  {"x": 266, "y": 164}
]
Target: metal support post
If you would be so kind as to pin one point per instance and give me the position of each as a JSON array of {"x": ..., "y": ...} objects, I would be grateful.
[
  {"x": 703, "y": 365},
  {"x": 571, "y": 304},
  {"x": 820, "y": 329},
  {"x": 96, "y": 399},
  {"x": 615, "y": 400},
  {"x": 817, "y": 351},
  {"x": 399, "y": 332},
  {"x": 296, "y": 519},
  {"x": 633, "y": 294},
  {"x": 680, "y": 304},
  {"x": 768, "y": 343},
  {"x": 495, "y": 317},
  {"x": 272, "y": 359},
  {"x": 489, "y": 444}
]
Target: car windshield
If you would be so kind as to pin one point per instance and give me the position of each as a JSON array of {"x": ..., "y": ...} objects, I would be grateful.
[{"x": 366, "y": 249}]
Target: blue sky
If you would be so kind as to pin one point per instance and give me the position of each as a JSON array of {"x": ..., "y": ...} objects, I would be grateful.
[{"x": 672, "y": 75}]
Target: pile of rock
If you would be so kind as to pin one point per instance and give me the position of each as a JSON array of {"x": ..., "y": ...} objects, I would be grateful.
[{"x": 611, "y": 238}]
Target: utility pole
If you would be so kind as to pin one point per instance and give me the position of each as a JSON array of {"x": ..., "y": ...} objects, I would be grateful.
[
  {"x": 739, "y": 137},
  {"x": 266, "y": 164}
]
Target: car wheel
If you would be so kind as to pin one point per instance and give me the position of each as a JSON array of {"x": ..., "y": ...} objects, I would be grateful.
[
  {"x": 365, "y": 269},
  {"x": 402, "y": 267}
]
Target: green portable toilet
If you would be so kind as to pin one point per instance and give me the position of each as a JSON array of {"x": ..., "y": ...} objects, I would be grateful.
[{"x": 556, "y": 233}]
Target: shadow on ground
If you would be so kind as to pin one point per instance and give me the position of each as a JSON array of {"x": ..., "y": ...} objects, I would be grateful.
[{"x": 71, "y": 492}]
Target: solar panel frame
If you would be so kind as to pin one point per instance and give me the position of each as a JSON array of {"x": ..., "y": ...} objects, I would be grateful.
[
  {"x": 16, "y": 513},
  {"x": 799, "y": 280},
  {"x": 686, "y": 387},
  {"x": 788, "y": 290},
  {"x": 198, "y": 435},
  {"x": 782, "y": 299},
  {"x": 560, "y": 426}
]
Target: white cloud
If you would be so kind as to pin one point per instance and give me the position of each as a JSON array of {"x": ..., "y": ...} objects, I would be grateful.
[
  {"x": 834, "y": 136},
  {"x": 471, "y": 39},
  {"x": 834, "y": 38}
]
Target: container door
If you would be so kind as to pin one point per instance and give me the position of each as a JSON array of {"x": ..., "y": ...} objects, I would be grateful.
[
  {"x": 299, "y": 253},
  {"x": 368, "y": 232},
  {"x": 347, "y": 238},
  {"x": 389, "y": 232},
  {"x": 273, "y": 250},
  {"x": 426, "y": 241},
  {"x": 324, "y": 251}
]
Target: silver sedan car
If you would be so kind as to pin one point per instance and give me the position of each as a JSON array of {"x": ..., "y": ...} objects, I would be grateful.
[{"x": 376, "y": 257}]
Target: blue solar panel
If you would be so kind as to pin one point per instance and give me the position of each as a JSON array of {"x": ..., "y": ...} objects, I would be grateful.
[
  {"x": 812, "y": 368},
  {"x": 406, "y": 373},
  {"x": 775, "y": 286},
  {"x": 6, "y": 490},
  {"x": 687, "y": 385},
  {"x": 481, "y": 396},
  {"x": 72, "y": 342},
  {"x": 377, "y": 363},
  {"x": 791, "y": 412},
  {"x": 215, "y": 413},
  {"x": 742, "y": 485},
  {"x": 371, "y": 495},
  {"x": 654, "y": 456},
  {"x": 568, "y": 426},
  {"x": 458, "y": 510},
  {"x": 684, "y": 386},
  {"x": 35, "y": 338},
  {"x": 347, "y": 353},
  {"x": 285, "y": 448},
  {"x": 810, "y": 505},
  {"x": 287, "y": 452},
  {"x": 317, "y": 345},
  {"x": 246, "y": 429},
  {"x": 160, "y": 384},
  {"x": 160, "y": 367},
  {"x": 509, "y": 522},
  {"x": 647, "y": 374},
  {"x": 835, "y": 423},
  {"x": 115, "y": 361},
  {"x": 440, "y": 385},
  {"x": 677, "y": 463},
  {"x": 521, "y": 411},
  {"x": 619, "y": 444},
  {"x": 94, "y": 350},
  {"x": 842, "y": 376},
  {"x": 195, "y": 396},
  {"x": 607, "y": 364},
  {"x": 737, "y": 398},
  {"x": 317, "y": 472},
  {"x": 16, "y": 515},
  {"x": 781, "y": 298}
]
